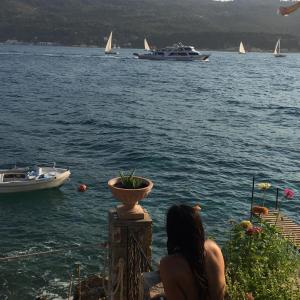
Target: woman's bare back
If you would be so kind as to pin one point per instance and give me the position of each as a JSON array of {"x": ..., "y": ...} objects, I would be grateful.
[{"x": 178, "y": 279}]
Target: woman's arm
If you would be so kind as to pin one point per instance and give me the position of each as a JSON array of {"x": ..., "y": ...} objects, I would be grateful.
[{"x": 215, "y": 270}]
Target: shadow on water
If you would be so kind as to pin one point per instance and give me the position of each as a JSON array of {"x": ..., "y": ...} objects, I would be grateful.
[{"x": 23, "y": 200}]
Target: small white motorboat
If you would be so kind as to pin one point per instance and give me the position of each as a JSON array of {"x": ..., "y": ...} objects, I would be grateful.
[{"x": 32, "y": 179}]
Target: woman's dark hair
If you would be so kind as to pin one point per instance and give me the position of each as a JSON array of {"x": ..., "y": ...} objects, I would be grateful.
[{"x": 186, "y": 236}]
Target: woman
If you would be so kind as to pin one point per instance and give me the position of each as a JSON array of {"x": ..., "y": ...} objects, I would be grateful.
[{"x": 194, "y": 267}]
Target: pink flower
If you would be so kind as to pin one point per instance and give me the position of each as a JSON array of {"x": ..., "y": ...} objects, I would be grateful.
[
  {"x": 254, "y": 230},
  {"x": 288, "y": 193},
  {"x": 249, "y": 296}
]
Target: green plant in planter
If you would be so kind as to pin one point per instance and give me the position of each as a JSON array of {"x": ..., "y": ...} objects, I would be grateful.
[
  {"x": 259, "y": 261},
  {"x": 129, "y": 181}
]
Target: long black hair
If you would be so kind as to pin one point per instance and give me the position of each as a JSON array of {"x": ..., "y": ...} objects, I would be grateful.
[{"x": 186, "y": 237}]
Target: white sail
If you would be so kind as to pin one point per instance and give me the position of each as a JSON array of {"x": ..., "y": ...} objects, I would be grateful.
[
  {"x": 242, "y": 49},
  {"x": 277, "y": 51},
  {"x": 146, "y": 45},
  {"x": 108, "y": 44},
  {"x": 277, "y": 47}
]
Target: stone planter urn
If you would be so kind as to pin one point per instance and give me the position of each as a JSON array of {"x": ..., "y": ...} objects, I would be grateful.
[{"x": 130, "y": 209}]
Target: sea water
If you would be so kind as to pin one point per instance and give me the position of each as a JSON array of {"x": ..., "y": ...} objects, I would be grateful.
[{"x": 199, "y": 130}]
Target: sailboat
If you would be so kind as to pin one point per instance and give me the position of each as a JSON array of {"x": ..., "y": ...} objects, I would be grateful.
[
  {"x": 108, "y": 48},
  {"x": 146, "y": 45},
  {"x": 242, "y": 49},
  {"x": 277, "y": 52}
]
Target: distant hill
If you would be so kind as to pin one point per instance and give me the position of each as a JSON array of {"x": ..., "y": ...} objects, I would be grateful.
[{"x": 204, "y": 23}]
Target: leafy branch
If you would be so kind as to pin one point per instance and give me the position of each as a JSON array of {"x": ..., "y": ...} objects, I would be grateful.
[{"x": 129, "y": 181}]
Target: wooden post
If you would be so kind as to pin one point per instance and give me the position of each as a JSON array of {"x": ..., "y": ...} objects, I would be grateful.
[
  {"x": 277, "y": 197},
  {"x": 79, "y": 282},
  {"x": 252, "y": 199},
  {"x": 70, "y": 287},
  {"x": 119, "y": 231}
]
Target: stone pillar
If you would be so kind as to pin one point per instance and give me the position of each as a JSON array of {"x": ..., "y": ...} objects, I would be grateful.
[{"x": 121, "y": 245}]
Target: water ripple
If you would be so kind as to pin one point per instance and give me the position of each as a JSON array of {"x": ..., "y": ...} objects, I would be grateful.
[{"x": 200, "y": 131}]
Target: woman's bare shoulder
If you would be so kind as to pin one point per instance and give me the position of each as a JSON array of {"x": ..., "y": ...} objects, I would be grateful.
[
  {"x": 212, "y": 247},
  {"x": 215, "y": 270},
  {"x": 214, "y": 260},
  {"x": 213, "y": 254}
]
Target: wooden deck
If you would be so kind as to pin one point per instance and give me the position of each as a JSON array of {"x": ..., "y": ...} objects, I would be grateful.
[{"x": 289, "y": 228}]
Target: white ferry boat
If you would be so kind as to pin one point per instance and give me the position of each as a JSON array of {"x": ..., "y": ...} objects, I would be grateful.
[
  {"x": 31, "y": 179},
  {"x": 176, "y": 52}
]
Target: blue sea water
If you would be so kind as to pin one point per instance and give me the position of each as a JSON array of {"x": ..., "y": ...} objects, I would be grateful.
[{"x": 199, "y": 130}]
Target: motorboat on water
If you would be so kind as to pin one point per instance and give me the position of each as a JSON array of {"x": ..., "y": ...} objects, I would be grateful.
[
  {"x": 175, "y": 52},
  {"x": 31, "y": 179}
]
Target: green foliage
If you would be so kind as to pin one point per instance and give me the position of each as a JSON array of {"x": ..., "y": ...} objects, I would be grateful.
[
  {"x": 129, "y": 181},
  {"x": 262, "y": 263}
]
